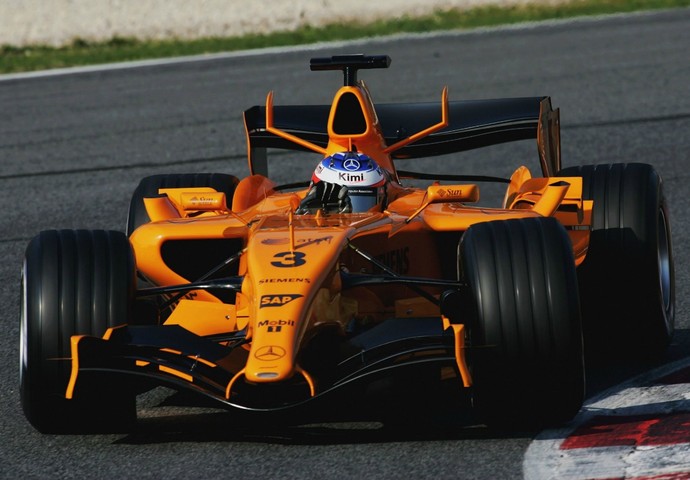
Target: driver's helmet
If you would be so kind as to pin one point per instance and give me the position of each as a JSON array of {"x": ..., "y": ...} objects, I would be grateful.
[{"x": 364, "y": 179}]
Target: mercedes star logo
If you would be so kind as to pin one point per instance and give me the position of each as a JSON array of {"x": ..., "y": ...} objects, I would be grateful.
[
  {"x": 270, "y": 353},
  {"x": 351, "y": 164}
]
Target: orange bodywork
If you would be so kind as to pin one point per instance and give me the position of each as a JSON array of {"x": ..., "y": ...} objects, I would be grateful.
[{"x": 291, "y": 265}]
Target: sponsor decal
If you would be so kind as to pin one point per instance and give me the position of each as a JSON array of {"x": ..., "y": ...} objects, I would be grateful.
[
  {"x": 275, "y": 241},
  {"x": 275, "y": 326},
  {"x": 301, "y": 242},
  {"x": 263, "y": 281},
  {"x": 351, "y": 164},
  {"x": 270, "y": 353},
  {"x": 453, "y": 192},
  {"x": 289, "y": 259},
  {"x": 203, "y": 200},
  {"x": 350, "y": 177},
  {"x": 278, "y": 300}
]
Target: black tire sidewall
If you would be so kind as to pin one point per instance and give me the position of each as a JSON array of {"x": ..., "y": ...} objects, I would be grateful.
[
  {"x": 624, "y": 308},
  {"x": 526, "y": 346},
  {"x": 74, "y": 282}
]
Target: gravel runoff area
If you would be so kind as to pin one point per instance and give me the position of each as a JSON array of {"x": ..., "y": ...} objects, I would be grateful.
[{"x": 59, "y": 22}]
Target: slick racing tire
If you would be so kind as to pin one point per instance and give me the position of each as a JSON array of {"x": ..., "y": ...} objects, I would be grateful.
[
  {"x": 525, "y": 340},
  {"x": 627, "y": 285},
  {"x": 74, "y": 282},
  {"x": 148, "y": 187}
]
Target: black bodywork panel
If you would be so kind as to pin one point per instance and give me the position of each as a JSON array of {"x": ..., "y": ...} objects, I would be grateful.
[
  {"x": 473, "y": 124},
  {"x": 203, "y": 365}
]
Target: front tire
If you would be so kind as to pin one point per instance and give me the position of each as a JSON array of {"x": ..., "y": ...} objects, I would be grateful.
[
  {"x": 74, "y": 282},
  {"x": 526, "y": 348}
]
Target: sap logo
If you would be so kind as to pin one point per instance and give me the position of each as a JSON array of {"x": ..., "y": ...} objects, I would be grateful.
[{"x": 278, "y": 300}]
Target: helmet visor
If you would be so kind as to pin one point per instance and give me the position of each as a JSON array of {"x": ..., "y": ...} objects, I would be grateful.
[{"x": 363, "y": 199}]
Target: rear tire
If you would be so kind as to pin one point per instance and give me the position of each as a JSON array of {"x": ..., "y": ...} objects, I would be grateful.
[
  {"x": 74, "y": 282},
  {"x": 627, "y": 284},
  {"x": 148, "y": 187},
  {"x": 526, "y": 351}
]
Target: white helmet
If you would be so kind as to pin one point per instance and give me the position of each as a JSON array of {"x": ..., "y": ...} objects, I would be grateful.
[{"x": 364, "y": 179}]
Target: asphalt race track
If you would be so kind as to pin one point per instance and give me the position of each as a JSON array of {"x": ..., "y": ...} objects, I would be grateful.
[{"x": 74, "y": 146}]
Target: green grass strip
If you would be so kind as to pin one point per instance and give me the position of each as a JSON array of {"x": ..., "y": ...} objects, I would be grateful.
[{"x": 81, "y": 52}]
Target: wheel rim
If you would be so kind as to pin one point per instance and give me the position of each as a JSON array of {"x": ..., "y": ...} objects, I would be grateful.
[
  {"x": 664, "y": 261},
  {"x": 23, "y": 334}
]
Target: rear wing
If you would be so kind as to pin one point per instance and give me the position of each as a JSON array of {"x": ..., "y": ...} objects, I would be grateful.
[{"x": 473, "y": 124}]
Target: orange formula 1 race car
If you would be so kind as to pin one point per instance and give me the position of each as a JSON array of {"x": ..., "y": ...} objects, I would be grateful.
[{"x": 269, "y": 298}]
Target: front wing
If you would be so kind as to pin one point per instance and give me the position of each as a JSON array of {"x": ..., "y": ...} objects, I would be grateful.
[{"x": 171, "y": 356}]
